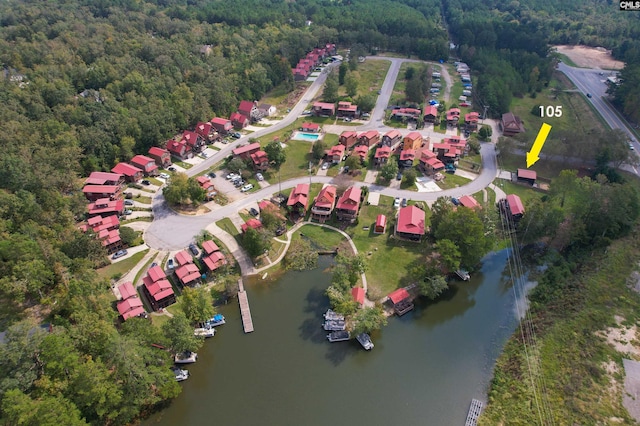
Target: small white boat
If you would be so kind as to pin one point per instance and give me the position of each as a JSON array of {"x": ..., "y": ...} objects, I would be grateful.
[
  {"x": 334, "y": 325},
  {"x": 181, "y": 375},
  {"x": 186, "y": 358},
  {"x": 332, "y": 316},
  {"x": 218, "y": 319},
  {"x": 365, "y": 341},
  {"x": 204, "y": 332},
  {"x": 338, "y": 336}
]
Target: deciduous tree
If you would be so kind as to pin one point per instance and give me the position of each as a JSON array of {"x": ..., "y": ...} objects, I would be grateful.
[
  {"x": 197, "y": 305},
  {"x": 276, "y": 154},
  {"x": 367, "y": 320}
]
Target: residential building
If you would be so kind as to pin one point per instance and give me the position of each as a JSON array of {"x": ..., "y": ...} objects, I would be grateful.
[
  {"x": 471, "y": 121},
  {"x": 380, "y": 226},
  {"x": 381, "y": 156},
  {"x": 267, "y": 110},
  {"x": 349, "y": 204},
  {"x": 183, "y": 258},
  {"x": 251, "y": 223},
  {"x": 158, "y": 289},
  {"x": 430, "y": 114},
  {"x": 209, "y": 247},
  {"x": 106, "y": 207},
  {"x": 188, "y": 274},
  {"x": 204, "y": 130},
  {"x": 215, "y": 260},
  {"x": 469, "y": 202},
  {"x": 161, "y": 156},
  {"x": 451, "y": 149},
  {"x": 96, "y": 192},
  {"x": 511, "y": 124},
  {"x": 361, "y": 152},
  {"x": 323, "y": 109},
  {"x": 347, "y": 110},
  {"x": 206, "y": 184},
  {"x": 429, "y": 162},
  {"x": 105, "y": 178},
  {"x": 194, "y": 141},
  {"x": 410, "y": 223},
  {"x": 412, "y": 141},
  {"x": 401, "y": 301},
  {"x": 527, "y": 176},
  {"x": 131, "y": 173},
  {"x": 336, "y": 153},
  {"x": 179, "y": 149},
  {"x": 239, "y": 121},
  {"x": 358, "y": 295},
  {"x": 298, "y": 200},
  {"x": 512, "y": 207},
  {"x": 245, "y": 151},
  {"x": 221, "y": 125},
  {"x": 324, "y": 203},
  {"x": 348, "y": 139},
  {"x": 129, "y": 305},
  {"x": 391, "y": 138},
  {"x": 405, "y": 161},
  {"x": 405, "y": 114},
  {"x": 453, "y": 116},
  {"x": 249, "y": 109},
  {"x": 260, "y": 161},
  {"x": 146, "y": 164},
  {"x": 106, "y": 229},
  {"x": 310, "y": 127},
  {"x": 369, "y": 138}
]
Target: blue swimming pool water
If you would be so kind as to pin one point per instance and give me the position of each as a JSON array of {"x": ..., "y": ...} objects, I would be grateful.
[{"x": 309, "y": 137}]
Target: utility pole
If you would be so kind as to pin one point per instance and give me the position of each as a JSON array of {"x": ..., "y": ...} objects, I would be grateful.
[{"x": 484, "y": 114}]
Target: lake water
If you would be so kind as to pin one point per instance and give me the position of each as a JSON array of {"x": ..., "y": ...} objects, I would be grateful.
[{"x": 425, "y": 367}]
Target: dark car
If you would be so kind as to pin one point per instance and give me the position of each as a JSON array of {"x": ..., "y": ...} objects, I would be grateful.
[
  {"x": 399, "y": 176},
  {"x": 236, "y": 135},
  {"x": 193, "y": 249},
  {"x": 119, "y": 254},
  {"x": 589, "y": 95},
  {"x": 455, "y": 201},
  {"x": 172, "y": 169},
  {"x": 281, "y": 230},
  {"x": 253, "y": 211},
  {"x": 128, "y": 195},
  {"x": 346, "y": 169},
  {"x": 145, "y": 182},
  {"x": 404, "y": 202},
  {"x": 212, "y": 175}
]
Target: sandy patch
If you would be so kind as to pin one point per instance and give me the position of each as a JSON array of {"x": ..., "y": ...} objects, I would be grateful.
[
  {"x": 622, "y": 338},
  {"x": 590, "y": 57}
]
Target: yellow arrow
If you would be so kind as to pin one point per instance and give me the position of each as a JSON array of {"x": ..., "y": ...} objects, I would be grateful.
[{"x": 532, "y": 155}]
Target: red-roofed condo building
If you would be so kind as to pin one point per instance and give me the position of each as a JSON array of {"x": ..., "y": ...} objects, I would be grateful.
[
  {"x": 310, "y": 127},
  {"x": 358, "y": 295},
  {"x": 96, "y": 192},
  {"x": 410, "y": 223},
  {"x": 412, "y": 141},
  {"x": 298, "y": 199},
  {"x": 347, "y": 110},
  {"x": 370, "y": 138},
  {"x": 336, "y": 153},
  {"x": 469, "y": 202},
  {"x": 239, "y": 121},
  {"x": 221, "y": 125},
  {"x": 188, "y": 274},
  {"x": 349, "y": 204},
  {"x": 161, "y": 156},
  {"x": 527, "y": 176},
  {"x": 158, "y": 289},
  {"x": 324, "y": 204},
  {"x": 429, "y": 162},
  {"x": 179, "y": 149},
  {"x": 348, "y": 139},
  {"x": 245, "y": 151},
  {"x": 381, "y": 156},
  {"x": 391, "y": 138},
  {"x": 323, "y": 109},
  {"x": 146, "y": 164},
  {"x": 512, "y": 207},
  {"x": 130, "y": 305},
  {"x": 260, "y": 161},
  {"x": 131, "y": 173},
  {"x": 105, "y": 178}
]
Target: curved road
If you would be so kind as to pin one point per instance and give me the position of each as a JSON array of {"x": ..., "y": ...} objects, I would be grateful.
[{"x": 172, "y": 231}]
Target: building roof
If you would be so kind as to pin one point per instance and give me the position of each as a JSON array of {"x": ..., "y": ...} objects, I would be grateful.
[
  {"x": 527, "y": 174},
  {"x": 348, "y": 134},
  {"x": 383, "y": 152},
  {"x": 246, "y": 148},
  {"x": 214, "y": 261},
  {"x": 347, "y": 106},
  {"x": 251, "y": 223},
  {"x": 236, "y": 116},
  {"x": 299, "y": 194},
  {"x": 100, "y": 207},
  {"x": 100, "y": 189},
  {"x": 220, "y": 121},
  {"x": 413, "y": 136},
  {"x": 350, "y": 200},
  {"x": 398, "y": 295},
  {"x": 183, "y": 258},
  {"x": 159, "y": 289},
  {"x": 101, "y": 178},
  {"x": 512, "y": 122},
  {"x": 381, "y": 220},
  {"x": 245, "y": 107},
  {"x": 471, "y": 117},
  {"x": 131, "y": 307},
  {"x": 469, "y": 202},
  {"x": 336, "y": 150},
  {"x": 176, "y": 147},
  {"x": 203, "y": 129},
  {"x": 156, "y": 273},
  {"x": 312, "y": 126},
  {"x": 371, "y": 134},
  {"x": 407, "y": 154},
  {"x": 146, "y": 163},
  {"x": 324, "y": 105},
  {"x": 259, "y": 157},
  {"x": 210, "y": 247},
  {"x": 515, "y": 204},
  {"x": 188, "y": 273},
  {"x": 126, "y": 290},
  {"x": 392, "y": 134},
  {"x": 327, "y": 197},
  {"x": 126, "y": 169},
  {"x": 358, "y": 294},
  {"x": 361, "y": 150},
  {"x": 410, "y": 220},
  {"x": 154, "y": 150},
  {"x": 431, "y": 110}
]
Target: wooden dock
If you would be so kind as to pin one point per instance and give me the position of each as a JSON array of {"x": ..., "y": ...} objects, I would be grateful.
[
  {"x": 474, "y": 412},
  {"x": 245, "y": 311}
]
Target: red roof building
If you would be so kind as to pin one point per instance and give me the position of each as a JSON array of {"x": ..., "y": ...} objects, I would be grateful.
[
  {"x": 310, "y": 127},
  {"x": 251, "y": 223},
  {"x": 130, "y": 305},
  {"x": 210, "y": 247},
  {"x": 131, "y": 173},
  {"x": 381, "y": 224},
  {"x": 106, "y": 230},
  {"x": 511, "y": 124},
  {"x": 194, "y": 142},
  {"x": 245, "y": 151},
  {"x": 260, "y": 161},
  {"x": 471, "y": 121},
  {"x": 247, "y": 108},
  {"x": 349, "y": 204},
  {"x": 391, "y": 138},
  {"x": 206, "y": 184},
  {"x": 408, "y": 113},
  {"x": 514, "y": 203},
  {"x": 183, "y": 258},
  {"x": 358, "y": 295},
  {"x": 382, "y": 155},
  {"x": 179, "y": 149},
  {"x": 429, "y": 162},
  {"x": 221, "y": 125},
  {"x": 348, "y": 139},
  {"x": 324, "y": 203},
  {"x": 298, "y": 199},
  {"x": 469, "y": 202},
  {"x": 204, "y": 130},
  {"x": 215, "y": 260},
  {"x": 430, "y": 114},
  {"x": 188, "y": 274},
  {"x": 406, "y": 158},
  {"x": 323, "y": 109},
  {"x": 239, "y": 121},
  {"x": 146, "y": 164},
  {"x": 106, "y": 207},
  {"x": 370, "y": 138},
  {"x": 159, "y": 292},
  {"x": 412, "y": 141},
  {"x": 361, "y": 152},
  {"x": 347, "y": 109},
  {"x": 399, "y": 295},
  {"x": 336, "y": 153},
  {"x": 104, "y": 178},
  {"x": 96, "y": 192},
  {"x": 453, "y": 116},
  {"x": 161, "y": 156},
  {"x": 411, "y": 223},
  {"x": 527, "y": 176}
]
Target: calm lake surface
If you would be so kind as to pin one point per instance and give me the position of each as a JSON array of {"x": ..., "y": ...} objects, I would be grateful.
[{"x": 425, "y": 367}]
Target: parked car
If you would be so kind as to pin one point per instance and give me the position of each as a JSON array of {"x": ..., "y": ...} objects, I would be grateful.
[
  {"x": 589, "y": 95},
  {"x": 165, "y": 176},
  {"x": 238, "y": 183},
  {"x": 345, "y": 169},
  {"x": 404, "y": 202},
  {"x": 253, "y": 212},
  {"x": 396, "y": 203},
  {"x": 455, "y": 201},
  {"x": 230, "y": 176},
  {"x": 145, "y": 182},
  {"x": 399, "y": 176},
  {"x": 127, "y": 212},
  {"x": 119, "y": 254},
  {"x": 128, "y": 202},
  {"x": 325, "y": 166},
  {"x": 281, "y": 230},
  {"x": 194, "y": 249},
  {"x": 379, "y": 92},
  {"x": 172, "y": 169},
  {"x": 236, "y": 135},
  {"x": 259, "y": 176},
  {"x": 128, "y": 195},
  {"x": 247, "y": 187},
  {"x": 212, "y": 175},
  {"x": 170, "y": 264}
]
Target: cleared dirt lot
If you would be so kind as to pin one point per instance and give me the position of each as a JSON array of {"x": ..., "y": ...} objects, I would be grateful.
[{"x": 590, "y": 57}]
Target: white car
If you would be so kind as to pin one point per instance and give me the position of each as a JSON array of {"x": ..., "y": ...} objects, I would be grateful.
[
  {"x": 259, "y": 176},
  {"x": 396, "y": 203},
  {"x": 247, "y": 187},
  {"x": 165, "y": 176},
  {"x": 325, "y": 166}
]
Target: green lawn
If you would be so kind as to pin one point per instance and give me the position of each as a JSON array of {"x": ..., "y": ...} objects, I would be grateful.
[
  {"x": 370, "y": 75},
  {"x": 297, "y": 164},
  {"x": 143, "y": 200},
  {"x": 156, "y": 182},
  {"x": 523, "y": 192},
  {"x": 122, "y": 267},
  {"x": 330, "y": 139},
  {"x": 321, "y": 238},
  {"x": 452, "y": 181},
  {"x": 228, "y": 226},
  {"x": 182, "y": 164}
]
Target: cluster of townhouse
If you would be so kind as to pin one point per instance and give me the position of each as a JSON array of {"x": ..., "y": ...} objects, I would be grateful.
[
  {"x": 344, "y": 109},
  {"x": 248, "y": 112},
  {"x": 254, "y": 154},
  {"x": 306, "y": 65}
]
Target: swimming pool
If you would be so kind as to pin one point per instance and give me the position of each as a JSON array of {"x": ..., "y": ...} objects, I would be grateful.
[{"x": 302, "y": 136}]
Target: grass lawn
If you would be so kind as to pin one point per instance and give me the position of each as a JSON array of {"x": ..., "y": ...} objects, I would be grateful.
[
  {"x": 144, "y": 269},
  {"x": 452, "y": 181},
  {"x": 181, "y": 163},
  {"x": 321, "y": 238},
  {"x": 330, "y": 139},
  {"x": 564, "y": 58},
  {"x": 370, "y": 75},
  {"x": 121, "y": 267},
  {"x": 143, "y": 200},
  {"x": 297, "y": 164},
  {"x": 228, "y": 226},
  {"x": 158, "y": 320},
  {"x": 156, "y": 182},
  {"x": 137, "y": 219},
  {"x": 523, "y": 192}
]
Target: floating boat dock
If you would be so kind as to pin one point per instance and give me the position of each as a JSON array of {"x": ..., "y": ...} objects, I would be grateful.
[
  {"x": 474, "y": 412},
  {"x": 245, "y": 311}
]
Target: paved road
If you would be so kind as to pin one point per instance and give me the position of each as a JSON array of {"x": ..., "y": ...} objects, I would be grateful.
[
  {"x": 590, "y": 81},
  {"x": 171, "y": 231}
]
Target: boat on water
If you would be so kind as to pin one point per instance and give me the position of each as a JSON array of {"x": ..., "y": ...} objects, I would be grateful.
[
  {"x": 186, "y": 357},
  {"x": 204, "y": 332},
  {"x": 338, "y": 336},
  {"x": 332, "y": 316},
  {"x": 180, "y": 374},
  {"x": 334, "y": 325},
  {"x": 464, "y": 275},
  {"x": 218, "y": 319},
  {"x": 365, "y": 341}
]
